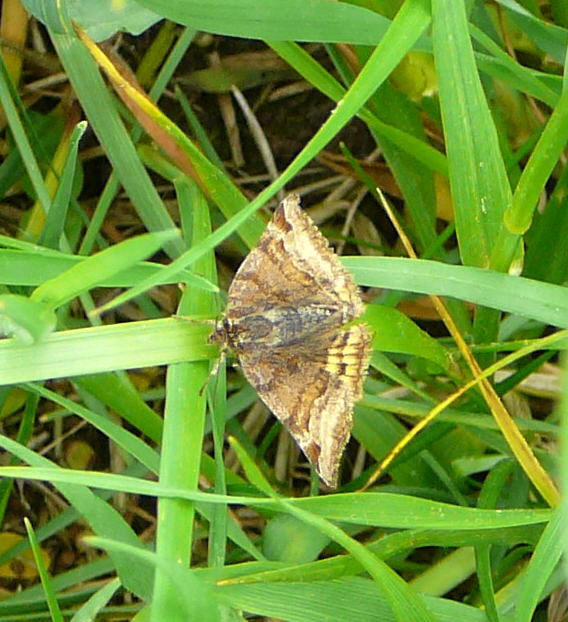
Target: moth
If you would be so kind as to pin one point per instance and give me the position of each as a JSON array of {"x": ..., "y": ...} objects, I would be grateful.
[{"x": 286, "y": 316}]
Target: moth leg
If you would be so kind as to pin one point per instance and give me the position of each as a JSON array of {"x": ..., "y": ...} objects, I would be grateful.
[{"x": 215, "y": 369}]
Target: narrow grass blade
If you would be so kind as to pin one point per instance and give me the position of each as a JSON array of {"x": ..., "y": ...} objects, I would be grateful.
[
  {"x": 103, "y": 349},
  {"x": 480, "y": 188},
  {"x": 543, "y": 562},
  {"x": 46, "y": 582},
  {"x": 88, "y": 273}
]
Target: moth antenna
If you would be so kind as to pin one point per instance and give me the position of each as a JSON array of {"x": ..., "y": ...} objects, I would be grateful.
[{"x": 197, "y": 319}]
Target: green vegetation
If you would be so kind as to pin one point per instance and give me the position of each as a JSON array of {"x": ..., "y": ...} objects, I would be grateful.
[{"x": 176, "y": 489}]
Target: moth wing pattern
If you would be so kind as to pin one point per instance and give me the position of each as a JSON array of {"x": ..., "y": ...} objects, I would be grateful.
[
  {"x": 312, "y": 391},
  {"x": 286, "y": 313},
  {"x": 293, "y": 263}
]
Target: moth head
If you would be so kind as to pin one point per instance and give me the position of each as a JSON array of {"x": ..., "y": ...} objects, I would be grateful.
[{"x": 220, "y": 334}]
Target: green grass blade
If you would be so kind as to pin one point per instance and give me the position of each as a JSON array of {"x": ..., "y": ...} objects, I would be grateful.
[
  {"x": 102, "y": 114},
  {"x": 549, "y": 37},
  {"x": 94, "y": 605},
  {"x": 9, "y": 101},
  {"x": 121, "y": 437},
  {"x": 543, "y": 562},
  {"x": 118, "y": 394},
  {"x": 104, "y": 348},
  {"x": 192, "y": 598},
  {"x": 296, "y": 20},
  {"x": 395, "y": 332},
  {"x": 390, "y": 510},
  {"x": 46, "y": 582},
  {"x": 538, "y": 169},
  {"x": 33, "y": 266},
  {"x": 184, "y": 418},
  {"x": 27, "y": 320},
  {"x": 405, "y": 603},
  {"x": 343, "y": 600},
  {"x": 480, "y": 188},
  {"x": 57, "y": 215},
  {"x": 542, "y": 301},
  {"x": 89, "y": 272}
]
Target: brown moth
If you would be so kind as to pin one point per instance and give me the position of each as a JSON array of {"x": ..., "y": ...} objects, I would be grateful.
[{"x": 285, "y": 320}]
